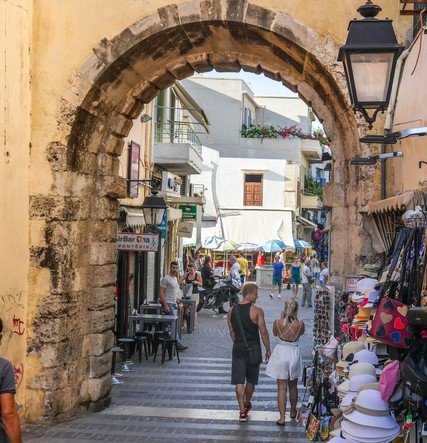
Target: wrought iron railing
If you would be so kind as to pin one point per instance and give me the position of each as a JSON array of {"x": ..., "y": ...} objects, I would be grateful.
[{"x": 177, "y": 132}]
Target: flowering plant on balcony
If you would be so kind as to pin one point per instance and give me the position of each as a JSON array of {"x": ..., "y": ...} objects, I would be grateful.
[{"x": 258, "y": 131}]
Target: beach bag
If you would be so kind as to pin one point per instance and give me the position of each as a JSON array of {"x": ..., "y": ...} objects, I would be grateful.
[
  {"x": 389, "y": 379},
  {"x": 390, "y": 324},
  {"x": 313, "y": 427}
]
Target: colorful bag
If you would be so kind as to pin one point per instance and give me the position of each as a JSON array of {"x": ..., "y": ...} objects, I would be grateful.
[
  {"x": 389, "y": 379},
  {"x": 313, "y": 426},
  {"x": 390, "y": 324}
]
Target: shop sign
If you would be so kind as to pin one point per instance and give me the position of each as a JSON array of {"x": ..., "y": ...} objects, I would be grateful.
[
  {"x": 189, "y": 212},
  {"x": 351, "y": 283},
  {"x": 185, "y": 229},
  {"x": 163, "y": 227},
  {"x": 128, "y": 241}
]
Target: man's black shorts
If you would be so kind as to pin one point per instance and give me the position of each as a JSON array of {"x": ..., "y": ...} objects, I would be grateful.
[{"x": 242, "y": 370}]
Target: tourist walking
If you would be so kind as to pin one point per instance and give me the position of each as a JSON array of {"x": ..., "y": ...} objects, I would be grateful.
[
  {"x": 278, "y": 268},
  {"x": 324, "y": 274},
  {"x": 306, "y": 280},
  {"x": 285, "y": 364},
  {"x": 192, "y": 280},
  {"x": 315, "y": 268},
  {"x": 295, "y": 275},
  {"x": 243, "y": 263},
  {"x": 10, "y": 428},
  {"x": 246, "y": 322},
  {"x": 169, "y": 292}
]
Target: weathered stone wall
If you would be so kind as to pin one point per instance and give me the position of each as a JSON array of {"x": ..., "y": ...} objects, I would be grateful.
[{"x": 82, "y": 108}]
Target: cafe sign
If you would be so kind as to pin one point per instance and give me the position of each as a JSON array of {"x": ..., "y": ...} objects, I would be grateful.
[
  {"x": 189, "y": 212},
  {"x": 128, "y": 241}
]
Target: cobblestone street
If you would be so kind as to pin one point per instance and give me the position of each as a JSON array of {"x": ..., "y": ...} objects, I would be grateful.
[{"x": 191, "y": 401}]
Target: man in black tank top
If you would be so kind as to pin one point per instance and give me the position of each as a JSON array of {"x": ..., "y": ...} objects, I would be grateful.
[{"x": 244, "y": 375}]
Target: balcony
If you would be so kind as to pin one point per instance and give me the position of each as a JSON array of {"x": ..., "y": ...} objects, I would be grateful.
[
  {"x": 177, "y": 148},
  {"x": 312, "y": 150},
  {"x": 311, "y": 201}
]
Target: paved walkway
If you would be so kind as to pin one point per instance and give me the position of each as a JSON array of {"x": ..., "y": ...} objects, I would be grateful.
[{"x": 191, "y": 401}]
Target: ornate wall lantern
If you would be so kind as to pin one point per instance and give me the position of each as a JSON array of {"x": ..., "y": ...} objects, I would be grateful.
[{"x": 154, "y": 208}]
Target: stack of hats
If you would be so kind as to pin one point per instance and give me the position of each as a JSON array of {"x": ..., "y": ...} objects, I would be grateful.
[
  {"x": 366, "y": 356},
  {"x": 368, "y": 419},
  {"x": 348, "y": 351},
  {"x": 363, "y": 289},
  {"x": 356, "y": 369}
]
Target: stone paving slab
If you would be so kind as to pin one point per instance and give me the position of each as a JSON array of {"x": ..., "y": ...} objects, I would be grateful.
[{"x": 188, "y": 402}]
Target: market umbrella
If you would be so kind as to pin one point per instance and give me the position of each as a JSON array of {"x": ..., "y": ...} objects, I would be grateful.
[
  {"x": 301, "y": 244},
  {"x": 213, "y": 242},
  {"x": 273, "y": 246},
  {"x": 246, "y": 246},
  {"x": 226, "y": 245}
]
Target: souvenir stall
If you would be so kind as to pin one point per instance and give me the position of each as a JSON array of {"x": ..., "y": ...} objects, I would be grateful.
[{"x": 380, "y": 358}]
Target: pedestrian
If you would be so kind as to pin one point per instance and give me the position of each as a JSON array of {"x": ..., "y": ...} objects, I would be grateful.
[
  {"x": 243, "y": 263},
  {"x": 260, "y": 261},
  {"x": 324, "y": 274},
  {"x": 295, "y": 275},
  {"x": 285, "y": 364},
  {"x": 245, "y": 323},
  {"x": 306, "y": 280},
  {"x": 10, "y": 428},
  {"x": 192, "y": 280},
  {"x": 278, "y": 274},
  {"x": 169, "y": 292},
  {"x": 197, "y": 261},
  {"x": 315, "y": 268},
  {"x": 234, "y": 275},
  {"x": 207, "y": 273}
]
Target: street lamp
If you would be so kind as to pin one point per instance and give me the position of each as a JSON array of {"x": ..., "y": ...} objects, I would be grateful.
[
  {"x": 154, "y": 208},
  {"x": 369, "y": 57}
]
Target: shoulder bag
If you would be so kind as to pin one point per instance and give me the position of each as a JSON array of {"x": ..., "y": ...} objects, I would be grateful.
[{"x": 254, "y": 351}]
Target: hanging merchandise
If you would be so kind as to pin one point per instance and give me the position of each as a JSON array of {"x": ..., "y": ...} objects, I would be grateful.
[{"x": 322, "y": 305}]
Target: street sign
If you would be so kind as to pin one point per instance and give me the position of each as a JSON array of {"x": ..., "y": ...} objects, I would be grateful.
[
  {"x": 128, "y": 241},
  {"x": 189, "y": 212}
]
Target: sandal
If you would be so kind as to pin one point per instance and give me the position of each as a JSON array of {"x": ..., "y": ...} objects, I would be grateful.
[
  {"x": 293, "y": 415},
  {"x": 280, "y": 424}
]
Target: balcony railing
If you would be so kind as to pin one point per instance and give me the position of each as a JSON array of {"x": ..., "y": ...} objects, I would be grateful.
[{"x": 177, "y": 132}]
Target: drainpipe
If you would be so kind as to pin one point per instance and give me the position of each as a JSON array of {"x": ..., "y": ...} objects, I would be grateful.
[{"x": 390, "y": 116}]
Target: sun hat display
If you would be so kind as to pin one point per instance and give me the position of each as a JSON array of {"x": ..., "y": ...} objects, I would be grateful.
[
  {"x": 339, "y": 439},
  {"x": 365, "y": 356},
  {"x": 354, "y": 384},
  {"x": 369, "y": 409},
  {"x": 348, "y": 351},
  {"x": 368, "y": 434},
  {"x": 363, "y": 314},
  {"x": 356, "y": 369}
]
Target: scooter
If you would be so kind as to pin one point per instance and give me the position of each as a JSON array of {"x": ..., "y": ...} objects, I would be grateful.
[{"x": 214, "y": 297}]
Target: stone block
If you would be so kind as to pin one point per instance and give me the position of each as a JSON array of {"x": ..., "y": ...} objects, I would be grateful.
[
  {"x": 37, "y": 233},
  {"x": 146, "y": 27},
  {"x": 100, "y": 365},
  {"x": 180, "y": 70},
  {"x": 108, "y": 165},
  {"x": 103, "y": 253},
  {"x": 169, "y": 16},
  {"x": 101, "y": 343},
  {"x": 106, "y": 209},
  {"x": 56, "y": 154},
  {"x": 99, "y": 387},
  {"x": 102, "y": 298},
  {"x": 105, "y": 230},
  {"x": 223, "y": 63},
  {"x": 200, "y": 63},
  {"x": 112, "y": 187},
  {"x": 102, "y": 321},
  {"x": 130, "y": 107},
  {"x": 189, "y": 12},
  {"x": 162, "y": 80},
  {"x": 104, "y": 275},
  {"x": 51, "y": 379},
  {"x": 259, "y": 16},
  {"x": 113, "y": 145},
  {"x": 120, "y": 125},
  {"x": 211, "y": 10}
]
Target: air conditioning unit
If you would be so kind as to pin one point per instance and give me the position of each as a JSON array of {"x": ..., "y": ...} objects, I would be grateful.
[{"x": 171, "y": 184}]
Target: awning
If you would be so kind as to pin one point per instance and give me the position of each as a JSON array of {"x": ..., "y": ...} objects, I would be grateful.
[
  {"x": 257, "y": 226},
  {"x": 400, "y": 202},
  {"x": 190, "y": 105},
  {"x": 134, "y": 218},
  {"x": 306, "y": 222}
]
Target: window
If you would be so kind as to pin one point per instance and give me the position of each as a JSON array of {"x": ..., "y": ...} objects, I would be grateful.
[{"x": 253, "y": 190}]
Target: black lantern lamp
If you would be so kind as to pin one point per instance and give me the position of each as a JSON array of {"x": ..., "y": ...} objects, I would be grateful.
[
  {"x": 154, "y": 208},
  {"x": 369, "y": 57}
]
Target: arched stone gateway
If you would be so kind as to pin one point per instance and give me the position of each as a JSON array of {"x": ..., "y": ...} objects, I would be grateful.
[{"x": 70, "y": 337}]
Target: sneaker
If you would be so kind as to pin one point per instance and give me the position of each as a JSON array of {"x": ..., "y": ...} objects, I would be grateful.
[
  {"x": 248, "y": 407},
  {"x": 182, "y": 347},
  {"x": 272, "y": 296},
  {"x": 243, "y": 416},
  {"x": 116, "y": 381},
  {"x": 279, "y": 296},
  {"x": 126, "y": 368}
]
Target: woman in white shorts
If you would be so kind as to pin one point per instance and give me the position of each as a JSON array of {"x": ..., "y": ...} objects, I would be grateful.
[{"x": 285, "y": 364}]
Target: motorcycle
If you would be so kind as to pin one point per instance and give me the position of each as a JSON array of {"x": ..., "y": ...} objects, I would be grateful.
[{"x": 214, "y": 297}]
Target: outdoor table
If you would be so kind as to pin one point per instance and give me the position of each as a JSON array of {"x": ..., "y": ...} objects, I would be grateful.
[
  {"x": 192, "y": 303},
  {"x": 154, "y": 318},
  {"x": 155, "y": 308}
]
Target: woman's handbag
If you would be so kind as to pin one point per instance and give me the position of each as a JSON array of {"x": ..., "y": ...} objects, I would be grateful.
[
  {"x": 413, "y": 370},
  {"x": 313, "y": 427},
  {"x": 255, "y": 355},
  {"x": 390, "y": 324}
]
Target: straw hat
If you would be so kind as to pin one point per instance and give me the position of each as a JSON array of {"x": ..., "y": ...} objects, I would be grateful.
[
  {"x": 355, "y": 383},
  {"x": 363, "y": 313},
  {"x": 365, "y": 356},
  {"x": 356, "y": 369},
  {"x": 348, "y": 352},
  {"x": 370, "y": 410},
  {"x": 368, "y": 434}
]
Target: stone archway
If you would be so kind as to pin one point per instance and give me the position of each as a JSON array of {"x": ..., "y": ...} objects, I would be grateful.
[{"x": 71, "y": 327}]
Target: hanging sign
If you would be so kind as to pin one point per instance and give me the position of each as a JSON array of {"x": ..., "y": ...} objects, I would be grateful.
[
  {"x": 189, "y": 212},
  {"x": 185, "y": 229},
  {"x": 128, "y": 241},
  {"x": 351, "y": 283},
  {"x": 163, "y": 227}
]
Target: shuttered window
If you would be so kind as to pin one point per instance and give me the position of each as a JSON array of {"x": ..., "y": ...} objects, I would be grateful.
[{"x": 253, "y": 190}]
